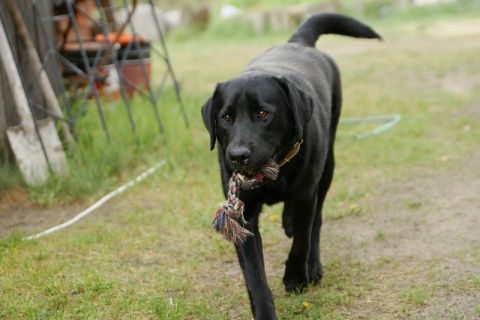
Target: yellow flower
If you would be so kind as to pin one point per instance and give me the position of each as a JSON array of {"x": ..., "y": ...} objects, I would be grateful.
[
  {"x": 353, "y": 207},
  {"x": 273, "y": 217},
  {"x": 306, "y": 305}
]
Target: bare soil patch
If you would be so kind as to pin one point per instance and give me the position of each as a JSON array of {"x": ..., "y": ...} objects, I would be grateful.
[
  {"x": 19, "y": 214},
  {"x": 419, "y": 243}
]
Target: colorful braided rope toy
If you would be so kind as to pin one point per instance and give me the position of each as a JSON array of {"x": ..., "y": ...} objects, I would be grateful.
[{"x": 229, "y": 220}]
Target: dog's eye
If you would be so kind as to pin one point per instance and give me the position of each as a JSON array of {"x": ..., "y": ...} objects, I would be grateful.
[
  {"x": 262, "y": 114},
  {"x": 227, "y": 118}
]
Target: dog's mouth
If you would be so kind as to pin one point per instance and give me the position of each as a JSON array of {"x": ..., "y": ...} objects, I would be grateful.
[{"x": 251, "y": 179}]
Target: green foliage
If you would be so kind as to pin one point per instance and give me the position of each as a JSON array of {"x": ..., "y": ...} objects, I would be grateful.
[
  {"x": 10, "y": 175},
  {"x": 10, "y": 243},
  {"x": 399, "y": 10},
  {"x": 98, "y": 161},
  {"x": 418, "y": 295},
  {"x": 267, "y": 4}
]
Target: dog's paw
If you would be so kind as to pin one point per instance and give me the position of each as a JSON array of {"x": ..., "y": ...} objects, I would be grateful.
[
  {"x": 295, "y": 285},
  {"x": 295, "y": 280},
  {"x": 315, "y": 272}
]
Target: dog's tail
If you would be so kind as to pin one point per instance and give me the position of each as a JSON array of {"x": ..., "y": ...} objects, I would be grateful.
[{"x": 325, "y": 23}]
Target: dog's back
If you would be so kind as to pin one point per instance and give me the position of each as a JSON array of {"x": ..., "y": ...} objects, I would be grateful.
[
  {"x": 312, "y": 70},
  {"x": 298, "y": 57},
  {"x": 307, "y": 35}
]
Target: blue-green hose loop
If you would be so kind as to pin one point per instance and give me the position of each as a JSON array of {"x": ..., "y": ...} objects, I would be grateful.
[{"x": 390, "y": 119}]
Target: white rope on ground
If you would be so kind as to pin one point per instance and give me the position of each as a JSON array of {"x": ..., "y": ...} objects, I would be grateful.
[
  {"x": 97, "y": 204},
  {"x": 392, "y": 120}
]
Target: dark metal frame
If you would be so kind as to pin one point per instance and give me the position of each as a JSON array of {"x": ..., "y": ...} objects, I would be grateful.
[{"x": 110, "y": 49}]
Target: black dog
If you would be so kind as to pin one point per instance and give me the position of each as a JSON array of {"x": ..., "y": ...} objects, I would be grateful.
[{"x": 283, "y": 107}]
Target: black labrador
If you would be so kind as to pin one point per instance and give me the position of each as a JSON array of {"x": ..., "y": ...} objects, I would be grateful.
[{"x": 284, "y": 107}]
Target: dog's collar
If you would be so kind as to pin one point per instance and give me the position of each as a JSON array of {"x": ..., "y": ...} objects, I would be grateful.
[{"x": 292, "y": 153}]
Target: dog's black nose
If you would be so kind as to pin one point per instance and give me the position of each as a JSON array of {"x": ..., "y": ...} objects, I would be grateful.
[{"x": 239, "y": 155}]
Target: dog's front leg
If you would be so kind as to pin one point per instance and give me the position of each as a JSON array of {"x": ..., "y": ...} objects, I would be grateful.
[{"x": 250, "y": 257}]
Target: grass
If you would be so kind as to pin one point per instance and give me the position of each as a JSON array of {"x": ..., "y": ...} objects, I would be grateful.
[
  {"x": 418, "y": 295},
  {"x": 9, "y": 174},
  {"x": 149, "y": 254}
]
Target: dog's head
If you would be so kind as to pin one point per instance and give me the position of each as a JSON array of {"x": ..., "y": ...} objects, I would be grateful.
[{"x": 256, "y": 117}]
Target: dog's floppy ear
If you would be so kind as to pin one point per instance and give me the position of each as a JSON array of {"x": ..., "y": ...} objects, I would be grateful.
[
  {"x": 300, "y": 103},
  {"x": 208, "y": 115}
]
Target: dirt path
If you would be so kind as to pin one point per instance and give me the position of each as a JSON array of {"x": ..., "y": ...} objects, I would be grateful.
[
  {"x": 420, "y": 243},
  {"x": 17, "y": 213}
]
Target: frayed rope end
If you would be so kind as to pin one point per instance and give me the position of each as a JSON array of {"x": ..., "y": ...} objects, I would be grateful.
[
  {"x": 229, "y": 227},
  {"x": 229, "y": 221}
]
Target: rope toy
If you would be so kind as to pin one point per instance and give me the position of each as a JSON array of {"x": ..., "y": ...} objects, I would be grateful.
[{"x": 229, "y": 220}]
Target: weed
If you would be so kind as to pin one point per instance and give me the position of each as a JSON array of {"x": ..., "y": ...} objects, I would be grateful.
[
  {"x": 414, "y": 205},
  {"x": 10, "y": 175},
  {"x": 476, "y": 280},
  {"x": 10, "y": 243},
  {"x": 418, "y": 295},
  {"x": 380, "y": 236}
]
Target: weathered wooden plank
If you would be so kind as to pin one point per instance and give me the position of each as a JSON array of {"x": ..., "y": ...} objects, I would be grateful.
[
  {"x": 53, "y": 65},
  {"x": 3, "y": 119},
  {"x": 8, "y": 115}
]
